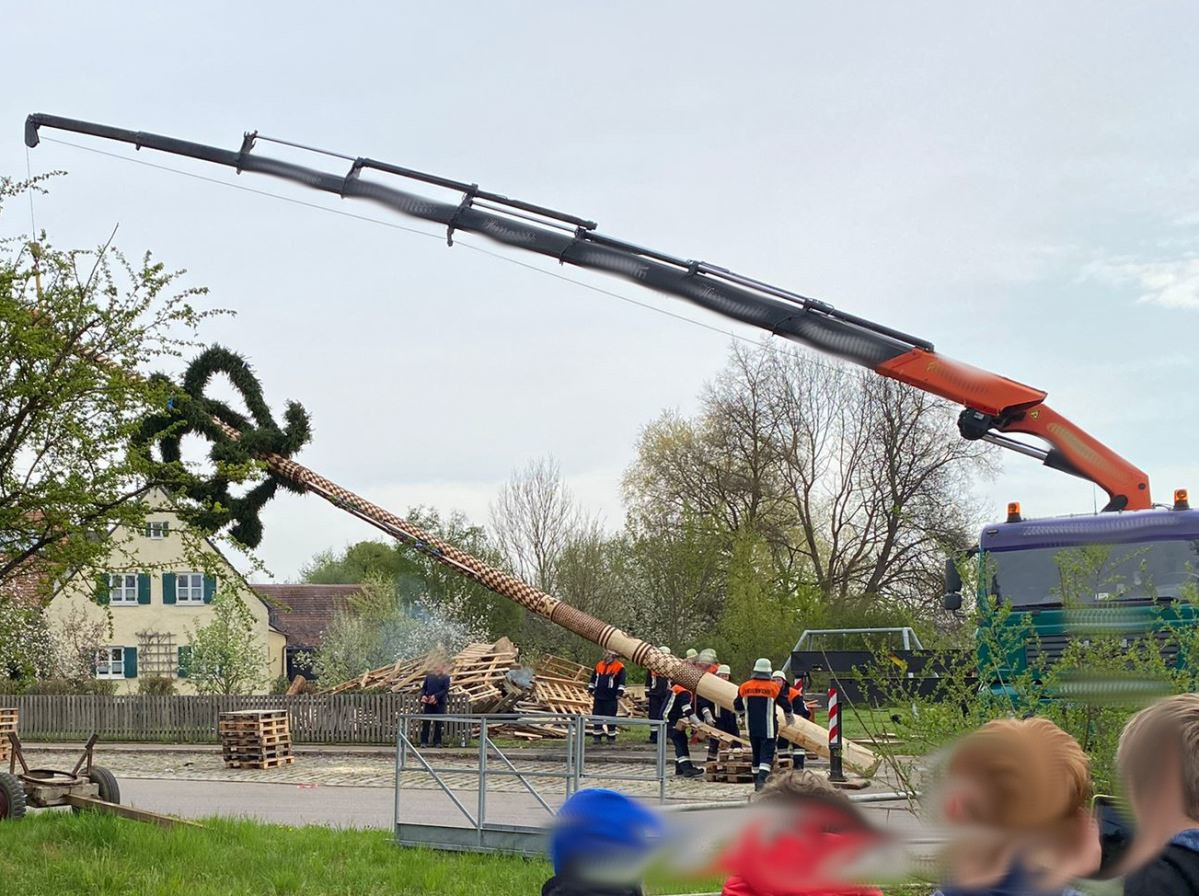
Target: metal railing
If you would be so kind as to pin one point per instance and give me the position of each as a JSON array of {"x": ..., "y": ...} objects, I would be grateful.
[{"x": 493, "y": 762}]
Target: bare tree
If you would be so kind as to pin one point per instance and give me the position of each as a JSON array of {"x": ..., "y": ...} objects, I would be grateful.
[
  {"x": 534, "y": 518},
  {"x": 855, "y": 484}
]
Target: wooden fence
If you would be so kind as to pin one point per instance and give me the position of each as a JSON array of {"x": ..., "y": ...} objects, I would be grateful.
[{"x": 339, "y": 719}]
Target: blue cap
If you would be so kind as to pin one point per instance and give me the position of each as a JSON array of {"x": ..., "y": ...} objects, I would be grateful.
[{"x": 596, "y": 826}]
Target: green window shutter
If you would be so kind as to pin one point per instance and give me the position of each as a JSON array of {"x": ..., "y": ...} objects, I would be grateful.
[
  {"x": 166, "y": 527},
  {"x": 131, "y": 662},
  {"x": 185, "y": 661},
  {"x": 143, "y": 588},
  {"x": 209, "y": 588},
  {"x": 168, "y": 589},
  {"x": 103, "y": 592}
]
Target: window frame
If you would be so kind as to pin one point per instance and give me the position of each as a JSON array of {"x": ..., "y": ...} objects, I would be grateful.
[
  {"x": 123, "y": 589},
  {"x": 157, "y": 530},
  {"x": 189, "y": 588},
  {"x": 114, "y": 660}
]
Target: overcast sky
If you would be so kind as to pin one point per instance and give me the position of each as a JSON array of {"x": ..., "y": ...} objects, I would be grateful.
[{"x": 1017, "y": 182}]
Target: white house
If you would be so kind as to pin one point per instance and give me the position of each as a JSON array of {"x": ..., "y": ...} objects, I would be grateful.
[{"x": 156, "y": 590}]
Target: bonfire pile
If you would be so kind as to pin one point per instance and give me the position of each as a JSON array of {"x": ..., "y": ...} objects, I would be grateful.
[{"x": 493, "y": 680}]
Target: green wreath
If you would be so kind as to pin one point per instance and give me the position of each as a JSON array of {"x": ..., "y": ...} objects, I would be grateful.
[{"x": 189, "y": 410}]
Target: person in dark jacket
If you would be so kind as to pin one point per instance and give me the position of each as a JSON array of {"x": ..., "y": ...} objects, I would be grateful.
[
  {"x": 657, "y": 691},
  {"x": 756, "y": 701},
  {"x": 680, "y": 706},
  {"x": 600, "y": 845},
  {"x": 434, "y": 694},
  {"x": 723, "y": 719},
  {"x": 1158, "y": 760},
  {"x": 606, "y": 689},
  {"x": 784, "y": 748}
]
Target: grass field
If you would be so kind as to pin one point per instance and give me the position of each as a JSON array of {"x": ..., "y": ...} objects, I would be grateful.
[{"x": 58, "y": 854}]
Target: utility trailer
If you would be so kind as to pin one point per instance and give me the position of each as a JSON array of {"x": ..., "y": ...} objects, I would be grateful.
[{"x": 86, "y": 786}]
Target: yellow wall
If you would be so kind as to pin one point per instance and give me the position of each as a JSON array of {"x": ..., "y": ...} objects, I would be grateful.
[{"x": 135, "y": 552}]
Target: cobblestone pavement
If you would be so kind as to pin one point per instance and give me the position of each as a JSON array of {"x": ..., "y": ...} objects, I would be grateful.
[{"x": 326, "y": 767}]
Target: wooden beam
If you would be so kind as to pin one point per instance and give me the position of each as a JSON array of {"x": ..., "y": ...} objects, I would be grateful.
[{"x": 98, "y": 805}]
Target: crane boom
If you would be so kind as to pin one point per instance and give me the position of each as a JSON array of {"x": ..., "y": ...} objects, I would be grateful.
[{"x": 994, "y": 407}]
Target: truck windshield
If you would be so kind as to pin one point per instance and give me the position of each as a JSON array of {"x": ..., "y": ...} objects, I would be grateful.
[{"x": 1097, "y": 573}]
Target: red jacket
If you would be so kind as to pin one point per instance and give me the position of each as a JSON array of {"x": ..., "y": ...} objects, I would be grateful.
[{"x": 801, "y": 860}]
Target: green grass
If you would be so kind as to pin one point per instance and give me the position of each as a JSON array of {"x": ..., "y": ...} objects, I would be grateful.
[{"x": 58, "y": 854}]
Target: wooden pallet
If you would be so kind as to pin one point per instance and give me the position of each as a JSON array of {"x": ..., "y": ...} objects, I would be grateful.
[
  {"x": 9, "y": 719},
  {"x": 262, "y": 764},
  {"x": 707, "y": 731}
]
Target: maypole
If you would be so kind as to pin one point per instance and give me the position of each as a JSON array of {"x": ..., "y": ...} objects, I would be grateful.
[{"x": 237, "y": 438}]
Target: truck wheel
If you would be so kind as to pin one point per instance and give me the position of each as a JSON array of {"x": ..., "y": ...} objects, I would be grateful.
[
  {"x": 12, "y": 798},
  {"x": 110, "y": 791}
]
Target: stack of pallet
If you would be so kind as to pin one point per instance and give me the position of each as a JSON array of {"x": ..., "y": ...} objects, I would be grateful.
[
  {"x": 8, "y": 723},
  {"x": 488, "y": 675},
  {"x": 734, "y": 765},
  {"x": 255, "y": 738},
  {"x": 559, "y": 686}
]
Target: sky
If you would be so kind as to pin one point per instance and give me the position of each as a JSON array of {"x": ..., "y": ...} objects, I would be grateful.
[{"x": 1017, "y": 182}]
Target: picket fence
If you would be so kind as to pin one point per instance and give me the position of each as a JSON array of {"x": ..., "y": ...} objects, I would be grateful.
[{"x": 336, "y": 719}]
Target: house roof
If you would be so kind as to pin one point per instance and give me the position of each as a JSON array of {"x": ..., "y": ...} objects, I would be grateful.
[{"x": 303, "y": 612}]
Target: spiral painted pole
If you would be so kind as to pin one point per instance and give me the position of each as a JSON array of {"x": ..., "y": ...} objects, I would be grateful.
[{"x": 804, "y": 733}]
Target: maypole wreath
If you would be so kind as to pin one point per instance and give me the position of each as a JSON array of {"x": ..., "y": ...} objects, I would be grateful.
[{"x": 238, "y": 443}]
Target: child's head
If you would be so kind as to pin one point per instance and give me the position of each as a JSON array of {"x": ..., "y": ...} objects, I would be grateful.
[
  {"x": 1018, "y": 774},
  {"x": 604, "y": 837}
]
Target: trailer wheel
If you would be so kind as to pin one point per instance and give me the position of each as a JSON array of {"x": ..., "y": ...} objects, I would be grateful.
[
  {"x": 12, "y": 798},
  {"x": 110, "y": 791}
]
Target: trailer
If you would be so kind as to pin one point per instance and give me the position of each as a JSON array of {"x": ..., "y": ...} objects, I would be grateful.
[{"x": 86, "y": 786}]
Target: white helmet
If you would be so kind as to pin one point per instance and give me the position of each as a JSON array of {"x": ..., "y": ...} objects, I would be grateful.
[
  {"x": 762, "y": 665},
  {"x": 665, "y": 650},
  {"x": 723, "y": 669}
]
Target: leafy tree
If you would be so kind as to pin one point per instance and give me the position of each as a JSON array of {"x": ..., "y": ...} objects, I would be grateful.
[
  {"x": 66, "y": 417},
  {"x": 226, "y": 657},
  {"x": 420, "y": 580},
  {"x": 26, "y": 650}
]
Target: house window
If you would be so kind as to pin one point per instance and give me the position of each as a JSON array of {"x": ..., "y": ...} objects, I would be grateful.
[
  {"x": 189, "y": 588},
  {"x": 156, "y": 530},
  {"x": 110, "y": 662},
  {"x": 122, "y": 588}
]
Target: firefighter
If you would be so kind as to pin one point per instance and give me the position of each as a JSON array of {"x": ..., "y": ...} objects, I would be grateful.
[
  {"x": 726, "y": 719},
  {"x": 606, "y": 688},
  {"x": 756, "y": 700},
  {"x": 705, "y": 708},
  {"x": 680, "y": 706},
  {"x": 785, "y": 749},
  {"x": 657, "y": 690}
]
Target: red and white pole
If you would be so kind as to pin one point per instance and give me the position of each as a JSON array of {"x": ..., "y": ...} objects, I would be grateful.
[{"x": 835, "y": 771}]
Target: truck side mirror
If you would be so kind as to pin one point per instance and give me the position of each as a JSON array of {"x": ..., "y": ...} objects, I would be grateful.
[{"x": 953, "y": 586}]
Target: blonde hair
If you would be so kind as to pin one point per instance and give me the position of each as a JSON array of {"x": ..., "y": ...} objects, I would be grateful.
[
  {"x": 1035, "y": 774},
  {"x": 1139, "y": 755}
]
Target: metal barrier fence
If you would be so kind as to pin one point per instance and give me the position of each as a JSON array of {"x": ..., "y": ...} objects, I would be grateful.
[{"x": 480, "y": 835}]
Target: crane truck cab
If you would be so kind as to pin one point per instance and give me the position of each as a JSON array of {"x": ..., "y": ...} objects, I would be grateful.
[{"x": 1043, "y": 582}]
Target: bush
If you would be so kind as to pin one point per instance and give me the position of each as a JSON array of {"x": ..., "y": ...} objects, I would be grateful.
[
  {"x": 67, "y": 686},
  {"x": 156, "y": 685}
]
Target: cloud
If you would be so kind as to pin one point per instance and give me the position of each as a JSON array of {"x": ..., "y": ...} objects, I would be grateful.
[{"x": 1171, "y": 283}]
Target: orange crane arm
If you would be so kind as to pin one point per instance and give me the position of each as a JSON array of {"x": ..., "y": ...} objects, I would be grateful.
[{"x": 994, "y": 405}]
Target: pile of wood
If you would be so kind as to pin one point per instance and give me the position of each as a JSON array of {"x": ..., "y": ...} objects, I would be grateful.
[
  {"x": 255, "y": 738},
  {"x": 492, "y": 679},
  {"x": 560, "y": 686},
  {"x": 734, "y": 765},
  {"x": 488, "y": 675},
  {"x": 9, "y": 718}
]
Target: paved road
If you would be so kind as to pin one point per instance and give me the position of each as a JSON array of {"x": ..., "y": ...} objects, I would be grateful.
[{"x": 358, "y": 807}]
